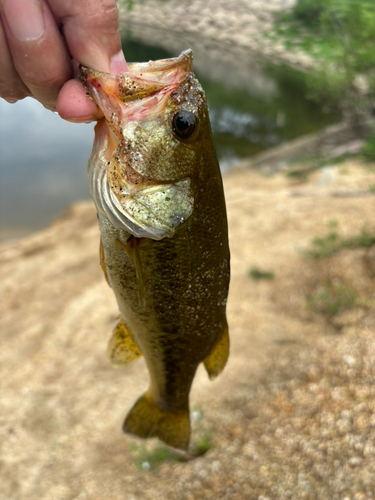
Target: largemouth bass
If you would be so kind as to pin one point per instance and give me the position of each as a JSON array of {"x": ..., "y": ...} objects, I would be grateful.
[{"x": 156, "y": 184}]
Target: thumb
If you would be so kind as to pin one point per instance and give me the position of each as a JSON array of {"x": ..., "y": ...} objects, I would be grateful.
[{"x": 91, "y": 30}]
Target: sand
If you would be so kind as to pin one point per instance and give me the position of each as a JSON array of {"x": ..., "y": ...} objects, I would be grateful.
[{"x": 292, "y": 415}]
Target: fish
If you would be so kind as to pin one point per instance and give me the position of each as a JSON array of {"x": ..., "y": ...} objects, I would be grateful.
[{"x": 156, "y": 183}]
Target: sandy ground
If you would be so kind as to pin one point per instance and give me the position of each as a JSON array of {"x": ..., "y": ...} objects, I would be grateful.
[{"x": 292, "y": 415}]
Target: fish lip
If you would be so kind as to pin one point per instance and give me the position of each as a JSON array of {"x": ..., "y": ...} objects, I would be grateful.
[
  {"x": 183, "y": 61},
  {"x": 125, "y": 95},
  {"x": 158, "y": 71}
]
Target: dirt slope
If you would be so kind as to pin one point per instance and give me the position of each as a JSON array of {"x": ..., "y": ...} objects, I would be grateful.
[{"x": 293, "y": 414}]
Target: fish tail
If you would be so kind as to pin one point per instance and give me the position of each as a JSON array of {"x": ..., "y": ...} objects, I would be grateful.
[{"x": 146, "y": 419}]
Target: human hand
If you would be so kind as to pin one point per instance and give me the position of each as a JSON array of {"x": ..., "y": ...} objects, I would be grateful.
[{"x": 39, "y": 40}]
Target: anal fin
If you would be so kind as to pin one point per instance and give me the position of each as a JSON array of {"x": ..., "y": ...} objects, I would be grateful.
[
  {"x": 122, "y": 349},
  {"x": 146, "y": 420},
  {"x": 216, "y": 360}
]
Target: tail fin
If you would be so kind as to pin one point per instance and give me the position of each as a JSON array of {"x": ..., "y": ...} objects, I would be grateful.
[{"x": 146, "y": 420}]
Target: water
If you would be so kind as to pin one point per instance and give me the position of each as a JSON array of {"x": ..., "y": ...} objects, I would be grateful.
[
  {"x": 42, "y": 167},
  {"x": 44, "y": 159}
]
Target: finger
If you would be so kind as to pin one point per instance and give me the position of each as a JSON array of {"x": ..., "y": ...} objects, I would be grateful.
[
  {"x": 73, "y": 103},
  {"x": 39, "y": 53},
  {"x": 11, "y": 86},
  {"x": 92, "y": 33}
]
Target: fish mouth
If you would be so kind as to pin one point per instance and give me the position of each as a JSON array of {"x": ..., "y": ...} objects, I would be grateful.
[
  {"x": 165, "y": 71},
  {"x": 162, "y": 71},
  {"x": 150, "y": 82}
]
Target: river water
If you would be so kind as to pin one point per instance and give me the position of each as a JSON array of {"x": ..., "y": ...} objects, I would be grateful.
[{"x": 43, "y": 158}]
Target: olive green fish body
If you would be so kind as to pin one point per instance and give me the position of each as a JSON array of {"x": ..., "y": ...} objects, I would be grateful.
[{"x": 164, "y": 246}]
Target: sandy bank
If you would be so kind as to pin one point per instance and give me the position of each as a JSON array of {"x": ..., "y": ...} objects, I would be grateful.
[{"x": 292, "y": 416}]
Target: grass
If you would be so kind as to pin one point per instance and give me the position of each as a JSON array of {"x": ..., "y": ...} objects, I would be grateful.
[
  {"x": 298, "y": 174},
  {"x": 368, "y": 152},
  {"x": 258, "y": 274},
  {"x": 332, "y": 242},
  {"x": 315, "y": 163},
  {"x": 334, "y": 295},
  {"x": 331, "y": 298},
  {"x": 151, "y": 459},
  {"x": 204, "y": 443}
]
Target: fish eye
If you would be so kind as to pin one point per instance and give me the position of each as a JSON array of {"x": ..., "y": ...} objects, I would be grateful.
[{"x": 184, "y": 124}]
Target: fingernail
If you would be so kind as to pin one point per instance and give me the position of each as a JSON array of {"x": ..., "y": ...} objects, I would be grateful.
[
  {"x": 24, "y": 18},
  {"x": 118, "y": 64},
  {"x": 81, "y": 119}
]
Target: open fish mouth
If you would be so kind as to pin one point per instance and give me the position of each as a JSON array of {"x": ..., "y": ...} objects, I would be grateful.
[
  {"x": 165, "y": 71},
  {"x": 161, "y": 72},
  {"x": 140, "y": 91}
]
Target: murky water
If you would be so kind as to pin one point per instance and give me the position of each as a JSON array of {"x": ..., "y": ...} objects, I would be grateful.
[{"x": 43, "y": 159}]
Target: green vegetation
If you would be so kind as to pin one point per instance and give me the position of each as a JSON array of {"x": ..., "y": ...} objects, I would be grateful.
[
  {"x": 129, "y": 4},
  {"x": 203, "y": 444},
  {"x": 301, "y": 166},
  {"x": 331, "y": 298},
  {"x": 334, "y": 295},
  {"x": 368, "y": 151},
  {"x": 312, "y": 164},
  {"x": 258, "y": 274},
  {"x": 340, "y": 37},
  {"x": 323, "y": 246},
  {"x": 152, "y": 459},
  {"x": 300, "y": 174}
]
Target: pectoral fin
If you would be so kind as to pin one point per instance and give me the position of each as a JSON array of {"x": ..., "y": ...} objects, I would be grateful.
[
  {"x": 216, "y": 360},
  {"x": 121, "y": 348},
  {"x": 146, "y": 419}
]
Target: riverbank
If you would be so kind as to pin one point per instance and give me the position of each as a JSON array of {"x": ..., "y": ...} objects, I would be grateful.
[
  {"x": 290, "y": 417},
  {"x": 225, "y": 29}
]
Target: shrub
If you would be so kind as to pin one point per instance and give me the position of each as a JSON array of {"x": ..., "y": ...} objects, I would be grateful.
[{"x": 340, "y": 36}]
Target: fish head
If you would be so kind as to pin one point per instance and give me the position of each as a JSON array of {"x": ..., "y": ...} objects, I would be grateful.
[{"x": 147, "y": 147}]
